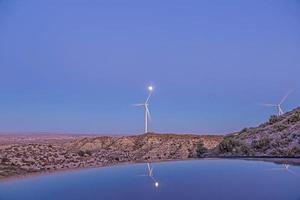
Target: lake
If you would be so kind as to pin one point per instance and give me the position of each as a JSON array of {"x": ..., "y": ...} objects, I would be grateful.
[{"x": 198, "y": 179}]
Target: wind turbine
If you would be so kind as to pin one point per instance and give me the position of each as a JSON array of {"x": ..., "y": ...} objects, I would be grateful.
[
  {"x": 145, "y": 105},
  {"x": 278, "y": 106}
]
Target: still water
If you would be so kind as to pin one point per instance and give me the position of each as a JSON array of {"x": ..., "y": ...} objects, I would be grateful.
[{"x": 200, "y": 179}]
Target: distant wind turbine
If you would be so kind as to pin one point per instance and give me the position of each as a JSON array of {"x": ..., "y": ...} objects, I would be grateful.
[
  {"x": 145, "y": 105},
  {"x": 279, "y": 105}
]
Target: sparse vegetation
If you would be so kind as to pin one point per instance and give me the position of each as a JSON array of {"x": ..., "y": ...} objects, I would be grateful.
[
  {"x": 273, "y": 119},
  {"x": 200, "y": 149},
  {"x": 84, "y": 153},
  {"x": 101, "y": 151},
  {"x": 281, "y": 127},
  {"x": 228, "y": 145},
  {"x": 261, "y": 144},
  {"x": 244, "y": 130},
  {"x": 294, "y": 118},
  {"x": 280, "y": 136},
  {"x": 88, "y": 152},
  {"x": 81, "y": 153},
  {"x": 4, "y": 160}
]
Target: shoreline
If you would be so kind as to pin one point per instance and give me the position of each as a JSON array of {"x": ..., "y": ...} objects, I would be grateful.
[
  {"x": 275, "y": 160},
  {"x": 49, "y": 173}
]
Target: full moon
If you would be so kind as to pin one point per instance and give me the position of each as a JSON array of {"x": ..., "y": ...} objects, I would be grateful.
[
  {"x": 150, "y": 88},
  {"x": 156, "y": 184}
]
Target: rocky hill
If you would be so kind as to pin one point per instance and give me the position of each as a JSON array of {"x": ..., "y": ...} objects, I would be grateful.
[
  {"x": 279, "y": 137},
  {"x": 36, "y": 155},
  {"x": 149, "y": 146}
]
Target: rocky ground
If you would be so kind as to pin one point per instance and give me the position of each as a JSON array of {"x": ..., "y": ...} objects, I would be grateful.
[
  {"x": 46, "y": 154},
  {"x": 275, "y": 140},
  {"x": 279, "y": 137}
]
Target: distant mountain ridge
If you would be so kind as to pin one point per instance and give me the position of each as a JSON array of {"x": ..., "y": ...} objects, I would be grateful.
[{"x": 279, "y": 137}]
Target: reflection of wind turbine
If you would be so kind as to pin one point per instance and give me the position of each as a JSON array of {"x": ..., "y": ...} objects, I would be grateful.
[
  {"x": 150, "y": 174},
  {"x": 145, "y": 105},
  {"x": 286, "y": 168},
  {"x": 278, "y": 106}
]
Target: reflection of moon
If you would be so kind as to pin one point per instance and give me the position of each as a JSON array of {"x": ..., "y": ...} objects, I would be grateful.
[{"x": 156, "y": 184}]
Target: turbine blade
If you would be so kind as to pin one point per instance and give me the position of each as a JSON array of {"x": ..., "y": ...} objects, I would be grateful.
[
  {"x": 269, "y": 105},
  {"x": 138, "y": 104},
  {"x": 147, "y": 100},
  {"x": 285, "y": 97}
]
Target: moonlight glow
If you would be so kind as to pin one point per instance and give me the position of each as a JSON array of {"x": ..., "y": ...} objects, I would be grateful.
[{"x": 150, "y": 88}]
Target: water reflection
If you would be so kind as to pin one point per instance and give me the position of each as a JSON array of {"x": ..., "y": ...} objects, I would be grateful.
[
  {"x": 218, "y": 179},
  {"x": 286, "y": 168},
  {"x": 150, "y": 174}
]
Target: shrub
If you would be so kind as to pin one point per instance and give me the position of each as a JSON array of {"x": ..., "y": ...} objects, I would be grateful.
[
  {"x": 4, "y": 160},
  {"x": 81, "y": 153},
  {"x": 245, "y": 150},
  {"x": 228, "y": 145},
  {"x": 294, "y": 118},
  {"x": 88, "y": 152},
  {"x": 261, "y": 144},
  {"x": 281, "y": 127},
  {"x": 294, "y": 152},
  {"x": 244, "y": 130},
  {"x": 273, "y": 119},
  {"x": 200, "y": 149}
]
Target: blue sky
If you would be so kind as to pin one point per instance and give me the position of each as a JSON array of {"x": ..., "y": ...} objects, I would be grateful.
[{"x": 77, "y": 66}]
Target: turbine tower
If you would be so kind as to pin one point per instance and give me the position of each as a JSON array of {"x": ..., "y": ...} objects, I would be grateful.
[
  {"x": 278, "y": 106},
  {"x": 145, "y": 105}
]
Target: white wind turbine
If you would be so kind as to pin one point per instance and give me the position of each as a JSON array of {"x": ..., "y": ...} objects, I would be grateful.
[
  {"x": 278, "y": 106},
  {"x": 145, "y": 105}
]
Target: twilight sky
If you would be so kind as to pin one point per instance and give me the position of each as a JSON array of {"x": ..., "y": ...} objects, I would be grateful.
[{"x": 78, "y": 65}]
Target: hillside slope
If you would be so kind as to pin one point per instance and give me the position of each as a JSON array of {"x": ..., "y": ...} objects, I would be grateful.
[
  {"x": 145, "y": 147},
  {"x": 93, "y": 151},
  {"x": 279, "y": 137}
]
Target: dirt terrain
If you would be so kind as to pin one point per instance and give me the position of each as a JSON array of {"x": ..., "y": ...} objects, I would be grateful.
[
  {"x": 276, "y": 140},
  {"x": 21, "y": 155},
  {"x": 278, "y": 137}
]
